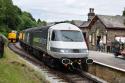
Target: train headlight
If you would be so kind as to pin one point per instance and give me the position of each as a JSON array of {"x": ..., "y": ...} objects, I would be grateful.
[
  {"x": 63, "y": 51},
  {"x": 60, "y": 50}
]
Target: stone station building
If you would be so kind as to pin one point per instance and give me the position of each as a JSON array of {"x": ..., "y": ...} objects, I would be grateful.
[{"x": 102, "y": 27}]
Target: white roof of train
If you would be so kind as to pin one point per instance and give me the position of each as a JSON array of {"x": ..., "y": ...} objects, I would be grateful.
[
  {"x": 65, "y": 26},
  {"x": 60, "y": 26}
]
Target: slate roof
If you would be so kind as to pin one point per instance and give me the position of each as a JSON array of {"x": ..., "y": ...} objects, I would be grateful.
[
  {"x": 85, "y": 24},
  {"x": 116, "y": 22},
  {"x": 112, "y": 21}
]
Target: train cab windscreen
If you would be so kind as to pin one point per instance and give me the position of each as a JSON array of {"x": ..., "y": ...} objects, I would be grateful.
[{"x": 67, "y": 36}]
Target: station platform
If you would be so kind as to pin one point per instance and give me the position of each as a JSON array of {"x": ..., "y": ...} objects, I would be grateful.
[{"x": 108, "y": 59}]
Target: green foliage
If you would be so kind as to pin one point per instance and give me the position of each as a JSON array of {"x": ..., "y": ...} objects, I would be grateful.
[
  {"x": 27, "y": 21},
  {"x": 13, "y": 18},
  {"x": 41, "y": 23},
  {"x": 17, "y": 10}
]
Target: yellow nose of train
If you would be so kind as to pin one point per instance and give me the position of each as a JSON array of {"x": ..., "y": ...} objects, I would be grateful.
[{"x": 12, "y": 37}]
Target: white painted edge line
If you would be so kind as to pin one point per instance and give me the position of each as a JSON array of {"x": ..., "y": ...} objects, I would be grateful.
[{"x": 103, "y": 64}]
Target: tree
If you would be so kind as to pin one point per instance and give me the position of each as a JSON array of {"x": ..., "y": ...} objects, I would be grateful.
[
  {"x": 27, "y": 21},
  {"x": 13, "y": 18},
  {"x": 17, "y": 10},
  {"x": 41, "y": 23},
  {"x": 29, "y": 15},
  {"x": 2, "y": 12}
]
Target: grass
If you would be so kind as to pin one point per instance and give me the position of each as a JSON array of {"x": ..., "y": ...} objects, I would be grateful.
[{"x": 14, "y": 70}]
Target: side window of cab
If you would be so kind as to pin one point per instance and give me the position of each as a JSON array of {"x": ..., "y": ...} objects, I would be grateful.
[{"x": 53, "y": 36}]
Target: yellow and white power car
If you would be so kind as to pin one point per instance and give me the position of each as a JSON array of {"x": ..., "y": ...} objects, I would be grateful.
[{"x": 13, "y": 36}]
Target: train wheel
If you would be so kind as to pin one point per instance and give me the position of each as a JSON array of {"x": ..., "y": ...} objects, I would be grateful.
[
  {"x": 45, "y": 59},
  {"x": 41, "y": 55},
  {"x": 58, "y": 64},
  {"x": 37, "y": 54},
  {"x": 51, "y": 63},
  {"x": 30, "y": 50}
]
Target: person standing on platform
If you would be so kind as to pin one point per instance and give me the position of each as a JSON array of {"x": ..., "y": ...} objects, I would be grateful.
[
  {"x": 1, "y": 47},
  {"x": 101, "y": 46},
  {"x": 98, "y": 45},
  {"x": 115, "y": 47}
]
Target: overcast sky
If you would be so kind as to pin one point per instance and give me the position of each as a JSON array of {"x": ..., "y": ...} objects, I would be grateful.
[{"x": 59, "y": 10}]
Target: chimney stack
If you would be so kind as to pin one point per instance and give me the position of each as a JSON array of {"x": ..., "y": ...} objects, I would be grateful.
[{"x": 91, "y": 14}]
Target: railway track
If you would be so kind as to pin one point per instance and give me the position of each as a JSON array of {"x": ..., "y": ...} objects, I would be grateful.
[{"x": 63, "y": 77}]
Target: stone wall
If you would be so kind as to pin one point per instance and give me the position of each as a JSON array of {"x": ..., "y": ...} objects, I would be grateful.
[
  {"x": 99, "y": 29},
  {"x": 106, "y": 73}
]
